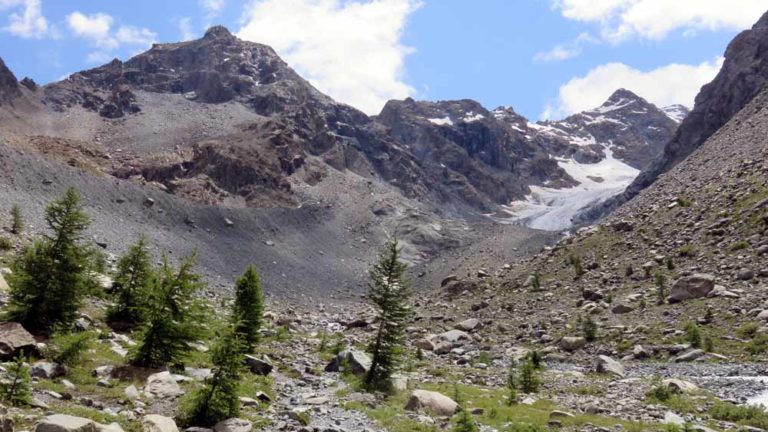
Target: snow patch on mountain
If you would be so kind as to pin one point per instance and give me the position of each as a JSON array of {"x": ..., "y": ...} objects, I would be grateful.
[
  {"x": 552, "y": 209},
  {"x": 676, "y": 112},
  {"x": 445, "y": 121}
]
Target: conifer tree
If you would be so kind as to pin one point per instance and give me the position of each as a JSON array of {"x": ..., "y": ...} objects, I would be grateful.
[
  {"x": 17, "y": 389},
  {"x": 219, "y": 399},
  {"x": 249, "y": 307},
  {"x": 389, "y": 294},
  {"x": 529, "y": 379},
  {"x": 17, "y": 220},
  {"x": 464, "y": 421},
  {"x": 512, "y": 383},
  {"x": 173, "y": 317},
  {"x": 133, "y": 280},
  {"x": 51, "y": 277}
]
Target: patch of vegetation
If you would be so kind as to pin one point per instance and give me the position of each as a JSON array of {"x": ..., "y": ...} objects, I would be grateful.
[
  {"x": 589, "y": 328},
  {"x": 587, "y": 390},
  {"x": 69, "y": 348},
  {"x": 754, "y": 416},
  {"x": 17, "y": 389},
  {"x": 6, "y": 244},
  {"x": 748, "y": 330},
  {"x": 688, "y": 250}
]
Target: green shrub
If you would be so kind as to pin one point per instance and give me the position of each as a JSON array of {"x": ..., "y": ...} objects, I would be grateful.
[
  {"x": 754, "y": 416},
  {"x": 512, "y": 384},
  {"x": 574, "y": 260},
  {"x": 249, "y": 307},
  {"x": 589, "y": 329},
  {"x": 739, "y": 245},
  {"x": 134, "y": 278},
  {"x": 758, "y": 345},
  {"x": 68, "y": 348},
  {"x": 17, "y": 220},
  {"x": 670, "y": 264},
  {"x": 684, "y": 202},
  {"x": 748, "y": 330},
  {"x": 659, "y": 393},
  {"x": 529, "y": 378},
  {"x": 6, "y": 244},
  {"x": 687, "y": 251},
  {"x": 661, "y": 290},
  {"x": 693, "y": 334}
]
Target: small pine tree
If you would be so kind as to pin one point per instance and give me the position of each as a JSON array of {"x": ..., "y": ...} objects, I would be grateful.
[
  {"x": 693, "y": 334},
  {"x": 133, "y": 280},
  {"x": 68, "y": 349},
  {"x": 389, "y": 294},
  {"x": 17, "y": 220},
  {"x": 589, "y": 328},
  {"x": 536, "y": 281},
  {"x": 173, "y": 317},
  {"x": 463, "y": 421},
  {"x": 512, "y": 383},
  {"x": 249, "y": 307},
  {"x": 661, "y": 290},
  {"x": 536, "y": 359},
  {"x": 51, "y": 278},
  {"x": 670, "y": 263},
  {"x": 529, "y": 379},
  {"x": 17, "y": 389},
  {"x": 219, "y": 399}
]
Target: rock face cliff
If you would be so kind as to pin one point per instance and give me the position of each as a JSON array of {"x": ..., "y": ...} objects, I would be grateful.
[
  {"x": 9, "y": 86},
  {"x": 743, "y": 75}
]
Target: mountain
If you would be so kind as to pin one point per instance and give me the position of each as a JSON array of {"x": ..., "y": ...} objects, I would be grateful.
[
  {"x": 219, "y": 129},
  {"x": 743, "y": 75},
  {"x": 9, "y": 87}
]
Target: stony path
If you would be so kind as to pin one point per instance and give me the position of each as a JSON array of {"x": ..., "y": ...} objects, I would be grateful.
[{"x": 317, "y": 395}]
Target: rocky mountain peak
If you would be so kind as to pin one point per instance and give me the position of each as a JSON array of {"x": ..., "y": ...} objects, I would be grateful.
[
  {"x": 743, "y": 75},
  {"x": 9, "y": 86},
  {"x": 218, "y": 31}
]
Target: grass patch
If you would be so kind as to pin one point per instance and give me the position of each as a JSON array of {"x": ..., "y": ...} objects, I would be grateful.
[{"x": 741, "y": 414}]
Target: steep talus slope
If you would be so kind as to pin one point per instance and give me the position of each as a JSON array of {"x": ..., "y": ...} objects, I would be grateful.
[
  {"x": 742, "y": 77},
  {"x": 9, "y": 86},
  {"x": 709, "y": 214}
]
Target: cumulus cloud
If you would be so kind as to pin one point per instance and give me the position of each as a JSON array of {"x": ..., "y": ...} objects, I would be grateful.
[
  {"x": 666, "y": 85},
  {"x": 27, "y": 19},
  {"x": 655, "y": 19},
  {"x": 98, "y": 29},
  {"x": 211, "y": 8},
  {"x": 351, "y": 50}
]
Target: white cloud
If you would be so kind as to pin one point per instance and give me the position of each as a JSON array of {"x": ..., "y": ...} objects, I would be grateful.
[
  {"x": 98, "y": 30},
  {"x": 350, "y": 50},
  {"x": 27, "y": 20},
  {"x": 212, "y": 8},
  {"x": 565, "y": 51},
  {"x": 666, "y": 85},
  {"x": 655, "y": 19},
  {"x": 186, "y": 30}
]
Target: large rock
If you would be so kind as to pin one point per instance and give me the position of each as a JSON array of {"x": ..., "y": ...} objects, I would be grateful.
[
  {"x": 14, "y": 339},
  {"x": 47, "y": 370},
  {"x": 432, "y": 403},
  {"x": 468, "y": 325},
  {"x": 679, "y": 386},
  {"x": 453, "y": 336},
  {"x": 607, "y": 365},
  {"x": 162, "y": 385},
  {"x": 691, "y": 287},
  {"x": 68, "y": 423},
  {"x": 233, "y": 425},
  {"x": 158, "y": 423},
  {"x": 258, "y": 366},
  {"x": 689, "y": 356},
  {"x": 358, "y": 362},
  {"x": 572, "y": 343}
]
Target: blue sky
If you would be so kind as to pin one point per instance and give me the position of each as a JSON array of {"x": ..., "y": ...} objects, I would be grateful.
[{"x": 546, "y": 58}]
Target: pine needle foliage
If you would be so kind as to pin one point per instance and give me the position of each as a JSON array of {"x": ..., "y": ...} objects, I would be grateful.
[
  {"x": 219, "y": 399},
  {"x": 17, "y": 220},
  {"x": 51, "y": 277},
  {"x": 248, "y": 311},
  {"x": 133, "y": 280},
  {"x": 17, "y": 389},
  {"x": 389, "y": 294},
  {"x": 173, "y": 317}
]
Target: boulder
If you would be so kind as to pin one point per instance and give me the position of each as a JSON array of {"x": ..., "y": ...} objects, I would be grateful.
[
  {"x": 691, "y": 287},
  {"x": 14, "y": 339},
  {"x": 68, "y": 423},
  {"x": 468, "y": 325},
  {"x": 622, "y": 308},
  {"x": 639, "y": 352},
  {"x": 258, "y": 366},
  {"x": 424, "y": 344},
  {"x": 679, "y": 386},
  {"x": 672, "y": 418},
  {"x": 162, "y": 385},
  {"x": 689, "y": 356},
  {"x": 432, "y": 403},
  {"x": 572, "y": 343},
  {"x": 453, "y": 336},
  {"x": 358, "y": 362},
  {"x": 3, "y": 284},
  {"x": 233, "y": 425},
  {"x": 158, "y": 423},
  {"x": 607, "y": 365},
  {"x": 47, "y": 370}
]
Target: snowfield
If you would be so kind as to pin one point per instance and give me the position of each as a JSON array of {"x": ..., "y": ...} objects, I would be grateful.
[{"x": 552, "y": 209}]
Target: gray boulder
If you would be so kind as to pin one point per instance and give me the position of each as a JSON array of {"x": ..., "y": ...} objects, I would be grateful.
[
  {"x": 358, "y": 362},
  {"x": 258, "y": 366},
  {"x": 691, "y": 287},
  {"x": 14, "y": 339},
  {"x": 607, "y": 365},
  {"x": 233, "y": 425},
  {"x": 432, "y": 403},
  {"x": 162, "y": 385},
  {"x": 158, "y": 423},
  {"x": 47, "y": 370},
  {"x": 572, "y": 343}
]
